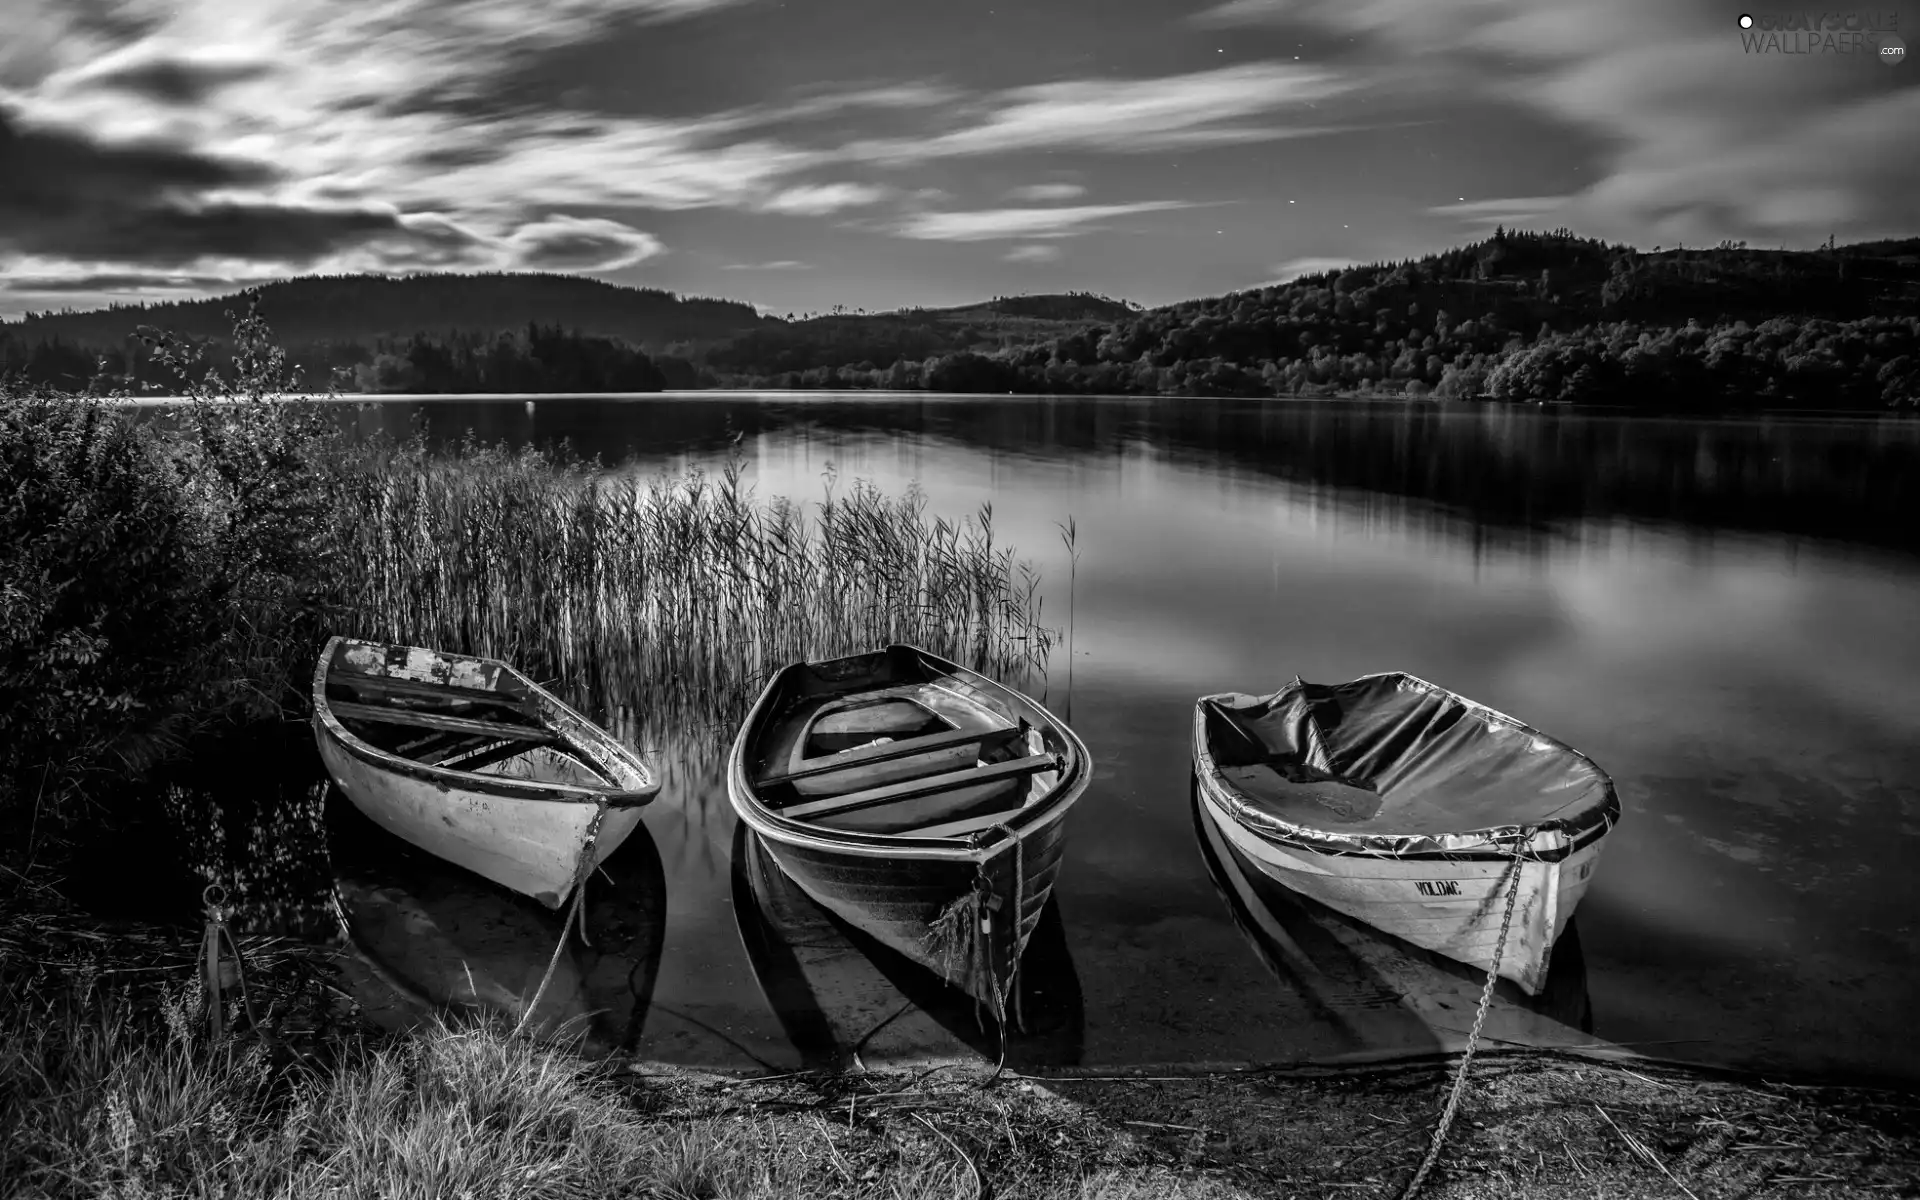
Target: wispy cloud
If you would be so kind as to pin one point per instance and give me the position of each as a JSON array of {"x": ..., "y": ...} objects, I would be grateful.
[
  {"x": 1042, "y": 193},
  {"x": 292, "y": 137},
  {"x": 1205, "y": 108},
  {"x": 1243, "y": 12},
  {"x": 814, "y": 200},
  {"x": 1504, "y": 210},
  {"x": 778, "y": 264},
  {"x": 1706, "y": 140},
  {"x": 1004, "y": 223},
  {"x": 880, "y": 96},
  {"x": 1295, "y": 268},
  {"x": 1032, "y": 254},
  {"x": 202, "y": 140},
  {"x": 562, "y": 243}
]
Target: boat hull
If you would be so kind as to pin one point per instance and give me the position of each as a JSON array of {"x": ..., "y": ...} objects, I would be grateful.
[
  {"x": 897, "y": 898},
  {"x": 1453, "y": 907},
  {"x": 532, "y": 846},
  {"x": 1380, "y": 993},
  {"x": 834, "y": 987}
]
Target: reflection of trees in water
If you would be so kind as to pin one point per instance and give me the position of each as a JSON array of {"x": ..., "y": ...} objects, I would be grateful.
[{"x": 1504, "y": 469}]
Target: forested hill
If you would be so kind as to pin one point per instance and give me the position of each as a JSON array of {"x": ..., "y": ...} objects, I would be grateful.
[
  {"x": 363, "y": 308},
  {"x": 1519, "y": 316}
]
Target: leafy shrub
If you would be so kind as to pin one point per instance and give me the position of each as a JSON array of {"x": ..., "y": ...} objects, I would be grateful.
[
  {"x": 102, "y": 607},
  {"x": 156, "y": 577}
]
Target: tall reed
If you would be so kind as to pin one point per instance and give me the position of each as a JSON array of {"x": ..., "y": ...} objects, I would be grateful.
[{"x": 662, "y": 605}]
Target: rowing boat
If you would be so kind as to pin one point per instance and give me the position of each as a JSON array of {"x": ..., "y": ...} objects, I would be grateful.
[
  {"x": 920, "y": 802},
  {"x": 1412, "y": 809},
  {"x": 475, "y": 763}
]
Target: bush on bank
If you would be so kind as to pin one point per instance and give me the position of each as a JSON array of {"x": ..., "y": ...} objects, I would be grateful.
[{"x": 158, "y": 578}]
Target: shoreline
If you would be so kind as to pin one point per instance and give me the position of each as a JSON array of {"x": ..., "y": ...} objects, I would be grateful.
[
  {"x": 1532, "y": 1123},
  {"x": 1594, "y": 1050},
  {"x": 1723, "y": 413}
]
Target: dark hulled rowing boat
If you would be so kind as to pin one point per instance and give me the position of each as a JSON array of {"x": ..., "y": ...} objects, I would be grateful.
[{"x": 921, "y": 802}]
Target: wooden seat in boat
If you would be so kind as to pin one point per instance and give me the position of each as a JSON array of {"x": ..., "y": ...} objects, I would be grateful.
[
  {"x": 387, "y": 685},
  {"x": 878, "y": 752},
  {"x": 383, "y": 715},
  {"x": 909, "y": 789}
]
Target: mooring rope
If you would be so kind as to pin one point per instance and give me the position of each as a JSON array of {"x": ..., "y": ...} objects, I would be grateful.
[
  {"x": 574, "y": 911},
  {"x": 1473, "y": 1037},
  {"x": 1011, "y": 989}
]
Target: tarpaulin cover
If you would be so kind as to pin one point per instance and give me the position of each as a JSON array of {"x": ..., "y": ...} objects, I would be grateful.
[{"x": 1393, "y": 764}]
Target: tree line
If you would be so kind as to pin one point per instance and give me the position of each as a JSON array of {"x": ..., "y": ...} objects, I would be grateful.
[
  {"x": 540, "y": 358},
  {"x": 1517, "y": 317}
]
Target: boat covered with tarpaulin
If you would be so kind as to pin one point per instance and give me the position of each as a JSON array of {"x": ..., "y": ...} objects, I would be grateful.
[{"x": 1411, "y": 808}]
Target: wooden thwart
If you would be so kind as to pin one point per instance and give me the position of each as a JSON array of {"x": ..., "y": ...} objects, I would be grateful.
[
  {"x": 989, "y": 739},
  {"x": 499, "y": 752},
  {"x": 401, "y": 716},
  {"x": 387, "y": 685},
  {"x": 964, "y": 826},
  {"x": 909, "y": 789}
]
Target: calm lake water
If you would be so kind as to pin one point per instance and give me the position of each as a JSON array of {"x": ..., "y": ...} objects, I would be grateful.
[{"x": 1722, "y": 613}]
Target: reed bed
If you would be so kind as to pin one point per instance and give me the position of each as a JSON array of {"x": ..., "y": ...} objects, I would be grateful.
[{"x": 663, "y": 605}]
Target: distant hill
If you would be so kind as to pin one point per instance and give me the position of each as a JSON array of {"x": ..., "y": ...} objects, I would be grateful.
[
  {"x": 1519, "y": 316},
  {"x": 363, "y": 308},
  {"x": 865, "y": 341}
]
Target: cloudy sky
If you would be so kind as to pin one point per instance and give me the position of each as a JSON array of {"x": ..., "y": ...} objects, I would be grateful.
[{"x": 876, "y": 153}]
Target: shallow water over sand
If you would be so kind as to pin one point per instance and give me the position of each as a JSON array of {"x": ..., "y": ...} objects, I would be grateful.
[{"x": 1720, "y": 613}]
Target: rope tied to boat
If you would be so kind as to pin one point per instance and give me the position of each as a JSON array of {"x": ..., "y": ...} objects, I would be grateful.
[
  {"x": 1018, "y": 933},
  {"x": 964, "y": 930},
  {"x": 575, "y": 912},
  {"x": 216, "y": 932},
  {"x": 1479, "y": 1019}
]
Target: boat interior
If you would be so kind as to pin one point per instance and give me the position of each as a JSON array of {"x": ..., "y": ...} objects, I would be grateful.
[
  {"x": 930, "y": 759},
  {"x": 495, "y": 729},
  {"x": 1387, "y": 754}
]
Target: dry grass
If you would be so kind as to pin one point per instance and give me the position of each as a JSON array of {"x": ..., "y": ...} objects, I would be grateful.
[
  {"x": 108, "y": 1087},
  {"x": 112, "y": 1090},
  {"x": 662, "y": 606}
]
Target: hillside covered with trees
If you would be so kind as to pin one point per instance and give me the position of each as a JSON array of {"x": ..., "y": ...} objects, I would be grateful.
[
  {"x": 1540, "y": 317},
  {"x": 1518, "y": 317}
]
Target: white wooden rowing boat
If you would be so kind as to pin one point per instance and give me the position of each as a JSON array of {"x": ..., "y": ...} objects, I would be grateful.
[
  {"x": 1406, "y": 806},
  {"x": 471, "y": 761}
]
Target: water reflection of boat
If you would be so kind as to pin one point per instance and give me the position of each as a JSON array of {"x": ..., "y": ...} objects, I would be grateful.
[
  {"x": 470, "y": 760},
  {"x": 913, "y": 797},
  {"x": 838, "y": 991},
  {"x": 440, "y": 938},
  {"x": 1411, "y": 808},
  {"x": 1380, "y": 992}
]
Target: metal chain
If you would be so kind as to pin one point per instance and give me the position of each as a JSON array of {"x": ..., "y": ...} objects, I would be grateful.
[{"x": 1473, "y": 1037}]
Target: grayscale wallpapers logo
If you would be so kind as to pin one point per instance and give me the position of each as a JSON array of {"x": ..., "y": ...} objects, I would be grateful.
[{"x": 1870, "y": 35}]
